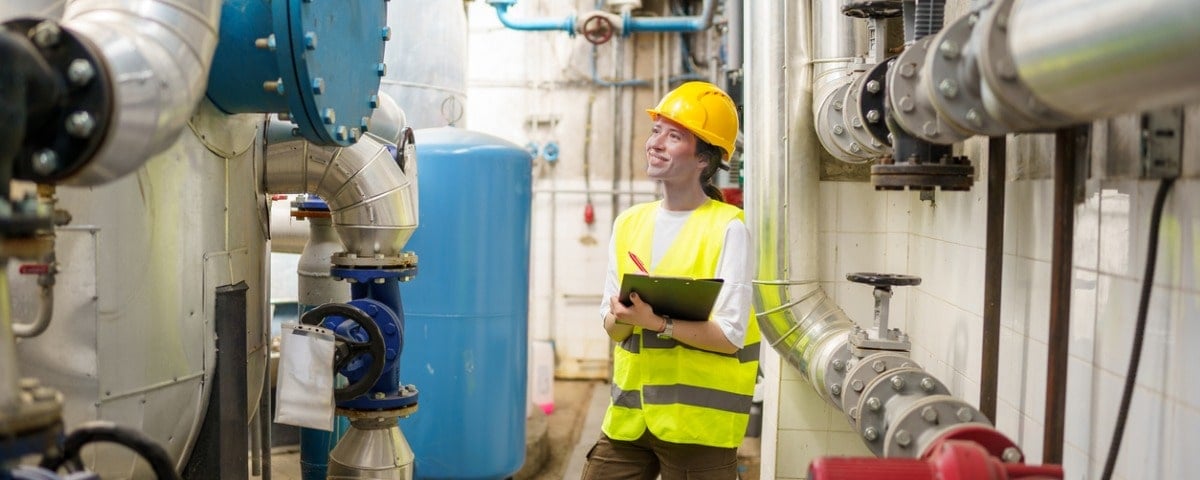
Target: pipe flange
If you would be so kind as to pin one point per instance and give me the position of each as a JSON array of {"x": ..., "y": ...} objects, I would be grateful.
[
  {"x": 910, "y": 103},
  {"x": 1008, "y": 99},
  {"x": 857, "y": 125},
  {"x": 891, "y": 393},
  {"x": 953, "y": 81},
  {"x": 72, "y": 130},
  {"x": 955, "y": 175},
  {"x": 872, "y": 98},
  {"x": 832, "y": 131},
  {"x": 863, "y": 372},
  {"x": 984, "y": 435},
  {"x": 914, "y": 429},
  {"x": 832, "y": 377},
  {"x": 37, "y": 409},
  {"x": 379, "y": 260}
]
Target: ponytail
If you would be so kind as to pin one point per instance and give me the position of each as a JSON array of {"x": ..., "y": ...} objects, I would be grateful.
[{"x": 711, "y": 154}]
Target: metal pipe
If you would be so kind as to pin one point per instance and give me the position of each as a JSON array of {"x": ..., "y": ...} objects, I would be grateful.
[
  {"x": 993, "y": 275},
  {"x": 158, "y": 54},
  {"x": 1092, "y": 59},
  {"x": 372, "y": 200},
  {"x": 733, "y": 40},
  {"x": 530, "y": 24},
  {"x": 794, "y": 314},
  {"x": 9, "y": 393},
  {"x": 694, "y": 23},
  {"x": 1066, "y": 152},
  {"x": 45, "y": 313}
]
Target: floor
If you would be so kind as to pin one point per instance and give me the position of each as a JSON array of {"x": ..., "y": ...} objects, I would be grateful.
[{"x": 557, "y": 443}]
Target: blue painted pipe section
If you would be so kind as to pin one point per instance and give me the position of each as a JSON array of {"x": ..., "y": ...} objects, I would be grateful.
[
  {"x": 531, "y": 24},
  {"x": 631, "y": 24}
]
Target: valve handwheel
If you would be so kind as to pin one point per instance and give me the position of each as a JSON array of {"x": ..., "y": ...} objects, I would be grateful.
[
  {"x": 883, "y": 279},
  {"x": 347, "y": 349},
  {"x": 598, "y": 29},
  {"x": 100, "y": 431}
]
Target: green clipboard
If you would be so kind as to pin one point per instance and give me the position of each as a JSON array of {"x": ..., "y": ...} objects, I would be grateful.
[{"x": 677, "y": 297}]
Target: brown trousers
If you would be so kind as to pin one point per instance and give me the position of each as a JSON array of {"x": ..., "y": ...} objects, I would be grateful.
[{"x": 648, "y": 457}]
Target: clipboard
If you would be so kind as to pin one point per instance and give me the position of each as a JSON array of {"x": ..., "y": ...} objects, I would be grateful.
[{"x": 680, "y": 298}]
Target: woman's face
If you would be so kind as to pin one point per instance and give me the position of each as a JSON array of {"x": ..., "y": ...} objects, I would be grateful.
[{"x": 671, "y": 152}]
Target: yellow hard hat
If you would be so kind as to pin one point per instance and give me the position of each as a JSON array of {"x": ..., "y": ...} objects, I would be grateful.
[{"x": 705, "y": 110}]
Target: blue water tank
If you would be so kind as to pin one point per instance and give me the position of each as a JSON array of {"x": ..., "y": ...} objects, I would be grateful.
[{"x": 466, "y": 328}]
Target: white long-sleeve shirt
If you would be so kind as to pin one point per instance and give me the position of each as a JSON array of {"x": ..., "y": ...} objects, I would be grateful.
[{"x": 735, "y": 266}]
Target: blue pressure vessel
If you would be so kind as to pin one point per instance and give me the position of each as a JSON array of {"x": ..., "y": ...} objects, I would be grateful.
[{"x": 466, "y": 328}]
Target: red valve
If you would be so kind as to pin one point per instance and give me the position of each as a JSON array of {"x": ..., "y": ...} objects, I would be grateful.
[
  {"x": 278, "y": 197},
  {"x": 589, "y": 214},
  {"x": 951, "y": 460}
]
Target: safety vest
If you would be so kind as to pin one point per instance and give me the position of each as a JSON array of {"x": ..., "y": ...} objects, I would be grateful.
[{"x": 681, "y": 393}]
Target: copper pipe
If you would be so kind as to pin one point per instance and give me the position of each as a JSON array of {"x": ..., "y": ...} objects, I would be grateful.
[
  {"x": 1066, "y": 154},
  {"x": 993, "y": 274}
]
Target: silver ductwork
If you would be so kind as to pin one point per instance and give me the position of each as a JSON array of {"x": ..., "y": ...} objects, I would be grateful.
[
  {"x": 289, "y": 235},
  {"x": 157, "y": 53},
  {"x": 1093, "y": 59},
  {"x": 794, "y": 314},
  {"x": 372, "y": 200}
]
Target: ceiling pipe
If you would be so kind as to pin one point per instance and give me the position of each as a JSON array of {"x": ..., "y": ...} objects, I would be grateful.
[{"x": 530, "y": 24}]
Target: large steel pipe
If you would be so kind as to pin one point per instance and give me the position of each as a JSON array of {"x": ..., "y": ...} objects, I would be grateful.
[
  {"x": 157, "y": 53},
  {"x": 1092, "y": 59},
  {"x": 795, "y": 316}
]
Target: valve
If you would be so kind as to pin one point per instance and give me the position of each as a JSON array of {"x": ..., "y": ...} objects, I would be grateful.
[
  {"x": 597, "y": 27},
  {"x": 887, "y": 339},
  {"x": 349, "y": 350}
]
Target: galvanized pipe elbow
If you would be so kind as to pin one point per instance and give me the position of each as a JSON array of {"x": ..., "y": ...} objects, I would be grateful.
[
  {"x": 157, "y": 54},
  {"x": 372, "y": 199}
]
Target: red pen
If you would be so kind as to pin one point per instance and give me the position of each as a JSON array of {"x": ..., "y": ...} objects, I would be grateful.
[{"x": 637, "y": 261}]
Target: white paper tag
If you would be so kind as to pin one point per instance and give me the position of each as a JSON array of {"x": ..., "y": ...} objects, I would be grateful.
[{"x": 304, "y": 391}]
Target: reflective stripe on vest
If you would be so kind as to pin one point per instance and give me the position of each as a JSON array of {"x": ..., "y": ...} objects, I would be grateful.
[{"x": 680, "y": 393}]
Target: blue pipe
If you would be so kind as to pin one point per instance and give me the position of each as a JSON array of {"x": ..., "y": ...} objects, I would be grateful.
[
  {"x": 531, "y": 24},
  {"x": 694, "y": 23},
  {"x": 631, "y": 24}
]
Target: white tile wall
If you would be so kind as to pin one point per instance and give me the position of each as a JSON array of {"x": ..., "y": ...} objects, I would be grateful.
[{"x": 943, "y": 316}]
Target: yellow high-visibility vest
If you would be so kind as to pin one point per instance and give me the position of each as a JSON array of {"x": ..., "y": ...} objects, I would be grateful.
[{"x": 681, "y": 393}]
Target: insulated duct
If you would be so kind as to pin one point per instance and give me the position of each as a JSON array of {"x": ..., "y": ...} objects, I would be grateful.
[
  {"x": 371, "y": 198},
  {"x": 794, "y": 314},
  {"x": 157, "y": 54},
  {"x": 289, "y": 235}
]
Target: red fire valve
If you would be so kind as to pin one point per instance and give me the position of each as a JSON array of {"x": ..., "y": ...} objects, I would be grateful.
[
  {"x": 952, "y": 460},
  {"x": 589, "y": 214}
]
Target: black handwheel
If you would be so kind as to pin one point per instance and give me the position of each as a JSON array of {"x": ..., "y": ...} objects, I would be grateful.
[
  {"x": 348, "y": 349},
  {"x": 91, "y": 432},
  {"x": 883, "y": 279}
]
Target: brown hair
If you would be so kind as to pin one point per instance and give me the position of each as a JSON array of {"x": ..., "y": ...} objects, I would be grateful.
[{"x": 709, "y": 153}]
